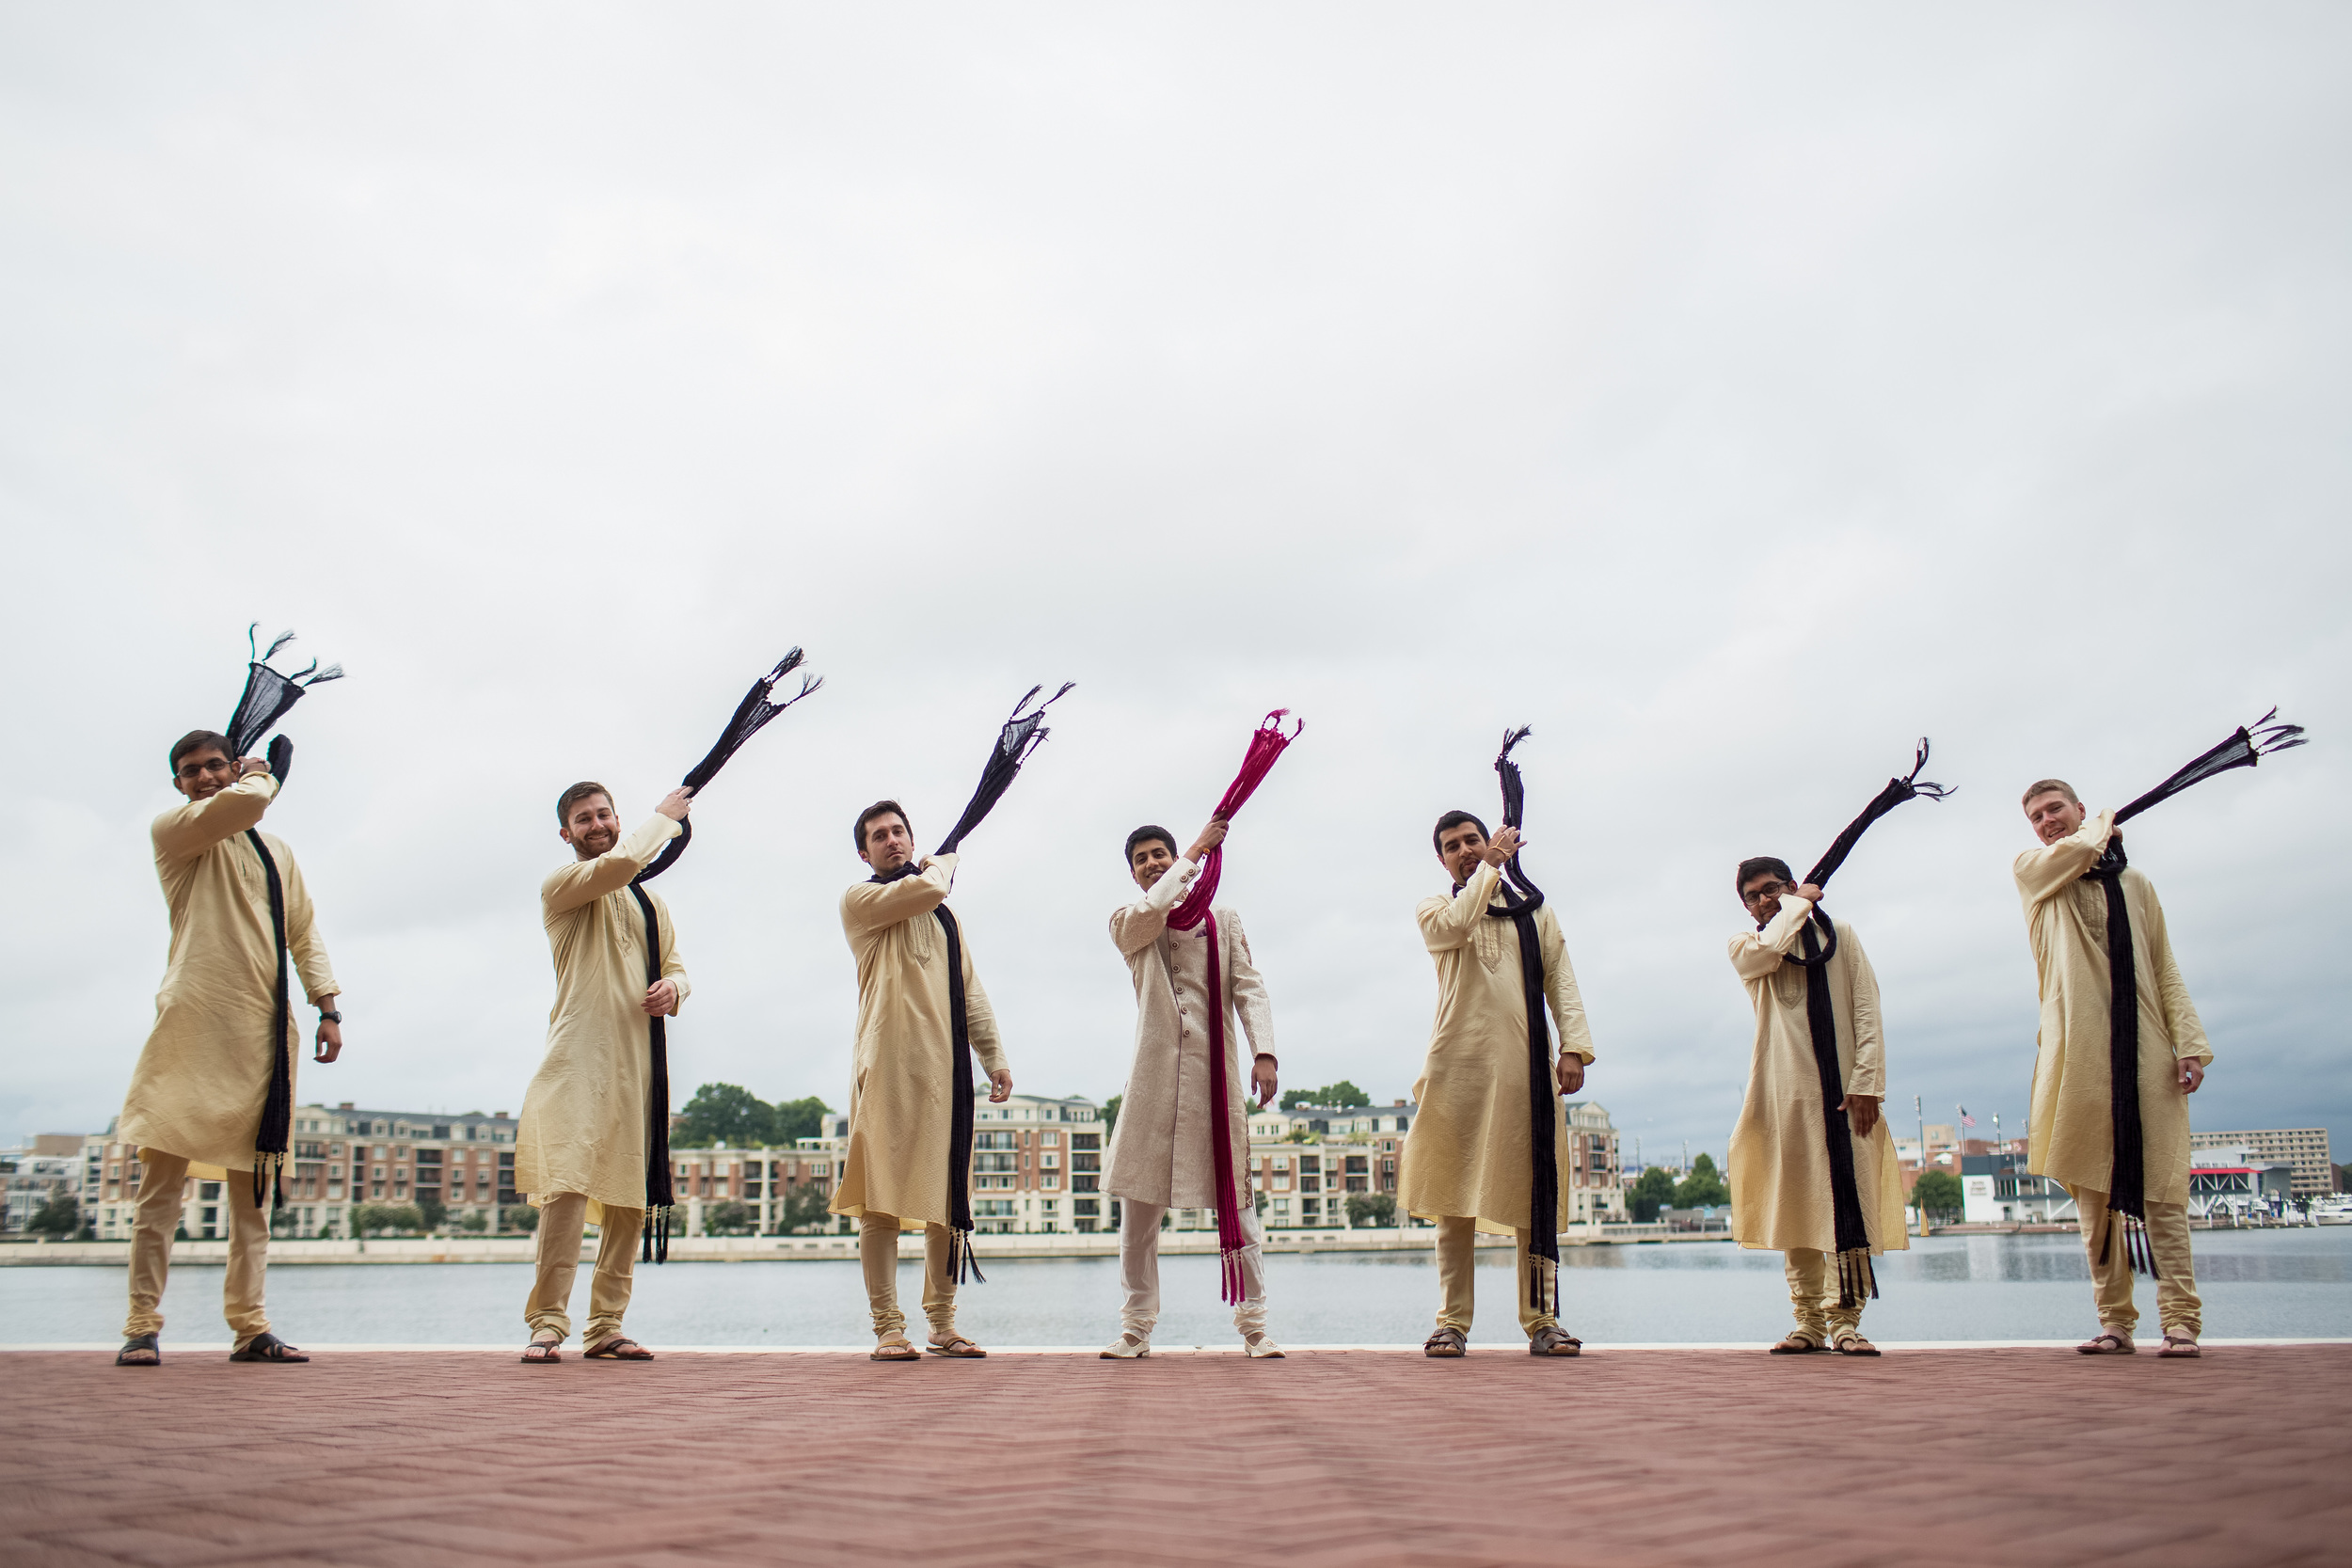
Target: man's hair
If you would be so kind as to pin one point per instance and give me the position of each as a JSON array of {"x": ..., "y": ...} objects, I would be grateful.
[
  {"x": 880, "y": 808},
  {"x": 572, "y": 797},
  {"x": 1454, "y": 820},
  {"x": 2050, "y": 786},
  {"x": 199, "y": 740},
  {"x": 1755, "y": 867},
  {"x": 1145, "y": 834}
]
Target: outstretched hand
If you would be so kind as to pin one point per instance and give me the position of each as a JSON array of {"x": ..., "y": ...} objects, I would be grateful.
[
  {"x": 1211, "y": 837},
  {"x": 676, "y": 804},
  {"x": 1505, "y": 843}
]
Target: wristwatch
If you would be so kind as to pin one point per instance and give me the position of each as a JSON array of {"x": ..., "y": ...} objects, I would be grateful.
[{"x": 326, "y": 1017}]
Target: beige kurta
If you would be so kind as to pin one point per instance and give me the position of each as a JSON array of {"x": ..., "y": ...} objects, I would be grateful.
[
  {"x": 902, "y": 1067},
  {"x": 585, "y": 1116},
  {"x": 201, "y": 1079},
  {"x": 1468, "y": 1153},
  {"x": 2071, "y": 1135},
  {"x": 1780, "y": 1191},
  {"x": 1161, "y": 1151}
]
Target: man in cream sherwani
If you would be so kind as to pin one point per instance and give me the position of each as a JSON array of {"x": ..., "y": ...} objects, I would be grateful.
[
  {"x": 1162, "y": 1153},
  {"x": 2070, "y": 1132},
  {"x": 1780, "y": 1197},
  {"x": 580, "y": 1147},
  {"x": 197, "y": 1095},
  {"x": 896, "y": 1175},
  {"x": 1470, "y": 1155}
]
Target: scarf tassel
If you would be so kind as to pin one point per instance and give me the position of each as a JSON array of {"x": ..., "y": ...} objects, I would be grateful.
[
  {"x": 655, "y": 1237},
  {"x": 2139, "y": 1249},
  {"x": 967, "y": 1270},
  {"x": 1857, "y": 1281}
]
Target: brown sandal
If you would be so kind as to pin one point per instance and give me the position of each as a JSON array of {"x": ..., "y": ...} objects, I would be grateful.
[
  {"x": 1798, "y": 1344},
  {"x": 1851, "y": 1343},
  {"x": 2107, "y": 1342},
  {"x": 1445, "y": 1344},
  {"x": 266, "y": 1346},
  {"x": 617, "y": 1349},
  {"x": 542, "y": 1352},
  {"x": 896, "y": 1350},
  {"x": 2179, "y": 1348},
  {"x": 956, "y": 1348},
  {"x": 140, "y": 1344},
  {"x": 1551, "y": 1339}
]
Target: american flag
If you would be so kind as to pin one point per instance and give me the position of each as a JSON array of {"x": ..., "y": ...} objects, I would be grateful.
[{"x": 1965, "y": 1120}]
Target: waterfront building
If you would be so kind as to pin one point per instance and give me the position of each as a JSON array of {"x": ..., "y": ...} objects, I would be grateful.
[
  {"x": 763, "y": 1180},
  {"x": 1036, "y": 1165},
  {"x": 2303, "y": 1148},
  {"x": 52, "y": 1164},
  {"x": 1996, "y": 1189},
  {"x": 342, "y": 1158}
]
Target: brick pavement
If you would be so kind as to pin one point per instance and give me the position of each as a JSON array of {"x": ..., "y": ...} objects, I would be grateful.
[{"x": 2027, "y": 1458}]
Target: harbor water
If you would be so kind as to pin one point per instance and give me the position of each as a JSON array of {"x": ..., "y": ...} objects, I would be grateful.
[{"x": 2256, "y": 1283}]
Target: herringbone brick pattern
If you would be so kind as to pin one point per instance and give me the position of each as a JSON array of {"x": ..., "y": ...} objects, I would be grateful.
[{"x": 2026, "y": 1458}]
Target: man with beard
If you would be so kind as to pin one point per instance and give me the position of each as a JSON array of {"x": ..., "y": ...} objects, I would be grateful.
[
  {"x": 1162, "y": 1155},
  {"x": 2070, "y": 1133},
  {"x": 581, "y": 1147},
  {"x": 1468, "y": 1159},
  {"x": 196, "y": 1097},
  {"x": 899, "y": 1173}
]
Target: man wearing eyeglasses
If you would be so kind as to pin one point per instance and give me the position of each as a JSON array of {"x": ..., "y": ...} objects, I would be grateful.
[{"x": 1782, "y": 1195}]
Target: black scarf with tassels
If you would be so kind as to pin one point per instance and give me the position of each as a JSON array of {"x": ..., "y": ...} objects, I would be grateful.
[
  {"x": 959, "y": 1111},
  {"x": 1542, "y": 1091},
  {"x": 271, "y": 1141},
  {"x": 1857, "y": 1281}
]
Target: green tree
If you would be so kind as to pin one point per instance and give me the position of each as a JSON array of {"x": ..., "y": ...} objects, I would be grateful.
[
  {"x": 58, "y": 1217},
  {"x": 1110, "y": 1114},
  {"x": 804, "y": 1207},
  {"x": 474, "y": 1223},
  {"x": 1655, "y": 1190},
  {"x": 1340, "y": 1095},
  {"x": 794, "y": 1119},
  {"x": 370, "y": 1219},
  {"x": 724, "y": 1114},
  {"x": 1371, "y": 1208},
  {"x": 1704, "y": 1187},
  {"x": 434, "y": 1211},
  {"x": 730, "y": 1219},
  {"x": 521, "y": 1217},
  {"x": 1938, "y": 1193}
]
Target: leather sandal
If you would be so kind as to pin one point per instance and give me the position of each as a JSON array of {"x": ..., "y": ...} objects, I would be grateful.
[
  {"x": 542, "y": 1352},
  {"x": 1445, "y": 1344},
  {"x": 894, "y": 1349},
  {"x": 2179, "y": 1347},
  {"x": 1551, "y": 1339},
  {"x": 1851, "y": 1343},
  {"x": 140, "y": 1344},
  {"x": 617, "y": 1349},
  {"x": 266, "y": 1346},
  {"x": 2108, "y": 1341},
  {"x": 1798, "y": 1344},
  {"x": 956, "y": 1348}
]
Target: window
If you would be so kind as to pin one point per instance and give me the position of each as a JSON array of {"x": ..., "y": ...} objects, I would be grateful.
[
  {"x": 1086, "y": 1207},
  {"x": 994, "y": 1162},
  {"x": 1309, "y": 1161},
  {"x": 1311, "y": 1184},
  {"x": 995, "y": 1140},
  {"x": 1085, "y": 1140},
  {"x": 1049, "y": 1162},
  {"x": 1359, "y": 1165},
  {"x": 1051, "y": 1140}
]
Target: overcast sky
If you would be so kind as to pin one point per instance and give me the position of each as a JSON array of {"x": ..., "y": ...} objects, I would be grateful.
[{"x": 1734, "y": 394}]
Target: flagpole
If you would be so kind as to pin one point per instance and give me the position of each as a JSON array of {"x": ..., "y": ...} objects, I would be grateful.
[{"x": 1922, "y": 1118}]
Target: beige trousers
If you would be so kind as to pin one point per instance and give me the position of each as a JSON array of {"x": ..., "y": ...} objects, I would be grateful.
[
  {"x": 1458, "y": 1259},
  {"x": 878, "y": 1253},
  {"x": 1813, "y": 1291},
  {"x": 1139, "y": 1270},
  {"x": 2177, "y": 1307},
  {"x": 562, "y": 1223},
  {"x": 163, "y": 1179}
]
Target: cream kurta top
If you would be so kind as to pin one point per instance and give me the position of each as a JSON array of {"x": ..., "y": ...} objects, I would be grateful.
[
  {"x": 202, "y": 1077},
  {"x": 585, "y": 1116},
  {"x": 2070, "y": 1133},
  {"x": 1160, "y": 1149},
  {"x": 1468, "y": 1152},
  {"x": 1780, "y": 1191},
  {"x": 902, "y": 1080}
]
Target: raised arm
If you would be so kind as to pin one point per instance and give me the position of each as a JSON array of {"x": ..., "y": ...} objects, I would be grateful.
[
  {"x": 1869, "y": 1038},
  {"x": 2044, "y": 872},
  {"x": 2180, "y": 1013},
  {"x": 193, "y": 827},
  {"x": 303, "y": 943},
  {"x": 585, "y": 881},
  {"x": 1568, "y": 1003},
  {"x": 870, "y": 906},
  {"x": 1446, "y": 924},
  {"x": 1756, "y": 953},
  {"x": 1136, "y": 927}
]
